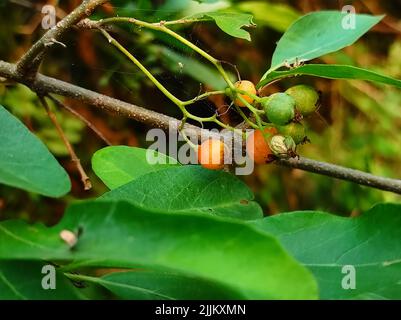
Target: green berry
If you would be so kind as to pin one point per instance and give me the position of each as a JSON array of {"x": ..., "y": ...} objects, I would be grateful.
[
  {"x": 294, "y": 130},
  {"x": 306, "y": 98},
  {"x": 279, "y": 108}
]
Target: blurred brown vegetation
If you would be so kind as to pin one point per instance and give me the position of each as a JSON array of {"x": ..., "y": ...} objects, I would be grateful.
[{"x": 359, "y": 123}]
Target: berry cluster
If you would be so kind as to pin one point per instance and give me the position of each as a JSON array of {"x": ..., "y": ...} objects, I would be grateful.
[{"x": 282, "y": 128}]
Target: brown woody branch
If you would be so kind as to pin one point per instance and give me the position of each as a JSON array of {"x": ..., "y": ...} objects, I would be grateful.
[
  {"x": 74, "y": 158},
  {"x": 25, "y": 72},
  {"x": 45, "y": 84},
  {"x": 342, "y": 173}
]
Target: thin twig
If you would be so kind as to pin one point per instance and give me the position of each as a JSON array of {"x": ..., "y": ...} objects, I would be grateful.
[
  {"x": 80, "y": 117},
  {"x": 74, "y": 158},
  {"x": 50, "y": 85}
]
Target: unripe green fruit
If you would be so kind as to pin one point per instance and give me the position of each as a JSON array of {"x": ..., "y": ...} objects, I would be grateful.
[
  {"x": 228, "y": 92},
  {"x": 279, "y": 108},
  {"x": 282, "y": 146},
  {"x": 306, "y": 98},
  {"x": 295, "y": 130}
]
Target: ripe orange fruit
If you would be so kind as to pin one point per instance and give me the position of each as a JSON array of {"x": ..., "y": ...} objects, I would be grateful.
[
  {"x": 246, "y": 86},
  {"x": 257, "y": 147},
  {"x": 211, "y": 154}
]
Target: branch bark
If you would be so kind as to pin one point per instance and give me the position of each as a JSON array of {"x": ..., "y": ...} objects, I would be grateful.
[
  {"x": 30, "y": 61},
  {"x": 44, "y": 85}
]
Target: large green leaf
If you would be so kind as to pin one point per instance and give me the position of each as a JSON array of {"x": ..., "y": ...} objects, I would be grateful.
[
  {"x": 331, "y": 71},
  {"x": 26, "y": 163},
  {"x": 119, "y": 234},
  {"x": 317, "y": 34},
  {"x": 119, "y": 165},
  {"x": 22, "y": 280},
  {"x": 191, "y": 189},
  {"x": 150, "y": 285},
  {"x": 325, "y": 243}
]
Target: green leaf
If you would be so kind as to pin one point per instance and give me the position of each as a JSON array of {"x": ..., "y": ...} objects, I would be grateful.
[
  {"x": 191, "y": 189},
  {"x": 331, "y": 71},
  {"x": 150, "y": 285},
  {"x": 317, "y": 34},
  {"x": 275, "y": 15},
  {"x": 231, "y": 23},
  {"x": 119, "y": 234},
  {"x": 26, "y": 163},
  {"x": 325, "y": 243},
  {"x": 118, "y": 165},
  {"x": 22, "y": 280}
]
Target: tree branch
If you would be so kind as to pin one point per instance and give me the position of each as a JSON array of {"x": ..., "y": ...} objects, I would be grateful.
[
  {"x": 43, "y": 84},
  {"x": 50, "y": 85},
  {"x": 80, "y": 117},
  {"x": 30, "y": 61}
]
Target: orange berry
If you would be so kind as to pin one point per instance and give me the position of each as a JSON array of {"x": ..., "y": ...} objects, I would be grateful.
[
  {"x": 211, "y": 154},
  {"x": 246, "y": 86},
  {"x": 257, "y": 147}
]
